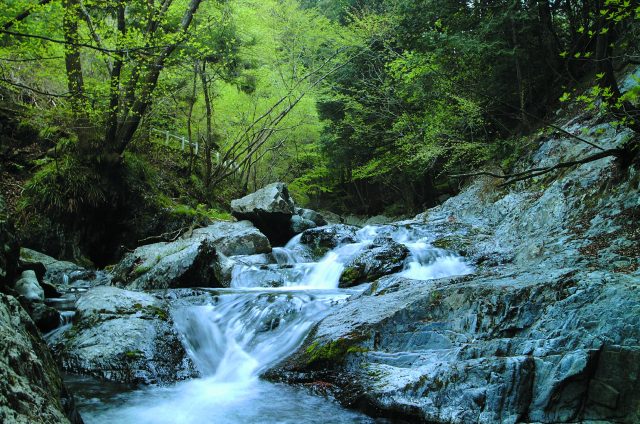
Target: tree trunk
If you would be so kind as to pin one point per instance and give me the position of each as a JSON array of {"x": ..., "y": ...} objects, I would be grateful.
[
  {"x": 208, "y": 137},
  {"x": 192, "y": 102},
  {"x": 114, "y": 89},
  {"x": 143, "y": 98},
  {"x": 519, "y": 78},
  {"x": 75, "y": 80}
]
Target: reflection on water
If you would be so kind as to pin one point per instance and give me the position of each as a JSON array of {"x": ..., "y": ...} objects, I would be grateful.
[{"x": 205, "y": 401}]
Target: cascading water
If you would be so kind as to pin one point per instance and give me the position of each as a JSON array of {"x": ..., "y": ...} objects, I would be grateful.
[{"x": 237, "y": 333}]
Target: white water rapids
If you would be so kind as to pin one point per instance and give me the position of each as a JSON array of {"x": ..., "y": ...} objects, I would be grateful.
[{"x": 242, "y": 331}]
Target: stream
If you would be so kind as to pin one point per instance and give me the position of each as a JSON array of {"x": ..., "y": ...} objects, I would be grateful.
[{"x": 234, "y": 335}]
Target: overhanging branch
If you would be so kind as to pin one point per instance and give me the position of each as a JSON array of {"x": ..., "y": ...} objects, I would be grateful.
[{"x": 535, "y": 172}]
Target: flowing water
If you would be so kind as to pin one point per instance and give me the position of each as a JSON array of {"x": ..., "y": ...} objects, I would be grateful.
[{"x": 240, "y": 332}]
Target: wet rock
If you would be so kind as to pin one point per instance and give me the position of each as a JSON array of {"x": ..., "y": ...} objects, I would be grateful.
[
  {"x": 322, "y": 239},
  {"x": 199, "y": 259},
  {"x": 122, "y": 336},
  {"x": 45, "y": 317},
  {"x": 380, "y": 220},
  {"x": 49, "y": 269},
  {"x": 331, "y": 217},
  {"x": 300, "y": 224},
  {"x": 549, "y": 347},
  {"x": 264, "y": 276},
  {"x": 29, "y": 287},
  {"x": 383, "y": 257},
  {"x": 50, "y": 291},
  {"x": 31, "y": 389},
  {"x": 182, "y": 263},
  {"x": 305, "y": 219},
  {"x": 270, "y": 209},
  {"x": 312, "y": 215},
  {"x": 546, "y": 331},
  {"x": 234, "y": 238},
  {"x": 226, "y": 266}
]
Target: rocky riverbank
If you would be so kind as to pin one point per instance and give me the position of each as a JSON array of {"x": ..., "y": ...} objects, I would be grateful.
[{"x": 546, "y": 330}]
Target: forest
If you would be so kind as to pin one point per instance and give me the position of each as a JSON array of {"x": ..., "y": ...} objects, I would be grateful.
[{"x": 115, "y": 112}]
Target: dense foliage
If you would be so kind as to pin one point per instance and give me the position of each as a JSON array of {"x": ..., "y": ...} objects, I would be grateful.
[{"x": 362, "y": 107}]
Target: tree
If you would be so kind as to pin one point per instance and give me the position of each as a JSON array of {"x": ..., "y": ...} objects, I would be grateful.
[{"x": 136, "y": 47}]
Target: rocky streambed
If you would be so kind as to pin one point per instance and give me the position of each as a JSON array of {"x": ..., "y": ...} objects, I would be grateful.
[
  {"x": 199, "y": 352},
  {"x": 499, "y": 306}
]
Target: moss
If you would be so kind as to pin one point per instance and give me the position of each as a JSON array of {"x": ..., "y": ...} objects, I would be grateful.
[
  {"x": 357, "y": 349},
  {"x": 436, "y": 298},
  {"x": 157, "y": 312},
  {"x": 200, "y": 212},
  {"x": 139, "y": 270},
  {"x": 319, "y": 251},
  {"x": 65, "y": 189},
  {"x": 350, "y": 275},
  {"x": 334, "y": 351},
  {"x": 452, "y": 242},
  {"x": 133, "y": 354},
  {"x": 148, "y": 311}
]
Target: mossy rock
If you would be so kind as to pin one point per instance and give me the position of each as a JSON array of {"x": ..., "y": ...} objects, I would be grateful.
[
  {"x": 334, "y": 352},
  {"x": 456, "y": 243}
]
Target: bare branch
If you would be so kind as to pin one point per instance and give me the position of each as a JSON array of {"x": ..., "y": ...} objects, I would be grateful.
[
  {"x": 24, "y": 15},
  {"x": 35, "y": 90},
  {"x": 88, "y": 46},
  {"x": 535, "y": 172}
]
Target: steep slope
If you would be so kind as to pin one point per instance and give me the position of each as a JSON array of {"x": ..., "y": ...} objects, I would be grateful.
[{"x": 546, "y": 330}]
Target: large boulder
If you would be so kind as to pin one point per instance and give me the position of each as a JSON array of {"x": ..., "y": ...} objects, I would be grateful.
[
  {"x": 523, "y": 347},
  {"x": 270, "y": 209},
  {"x": 322, "y": 239},
  {"x": 29, "y": 287},
  {"x": 31, "y": 389},
  {"x": 122, "y": 336},
  {"x": 199, "y": 259},
  {"x": 383, "y": 257},
  {"x": 181, "y": 263},
  {"x": 50, "y": 270},
  {"x": 234, "y": 238}
]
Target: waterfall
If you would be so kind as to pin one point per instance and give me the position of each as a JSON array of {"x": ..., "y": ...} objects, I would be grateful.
[{"x": 235, "y": 334}]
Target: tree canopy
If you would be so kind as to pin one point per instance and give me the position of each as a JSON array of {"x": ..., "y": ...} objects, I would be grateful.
[{"x": 360, "y": 106}]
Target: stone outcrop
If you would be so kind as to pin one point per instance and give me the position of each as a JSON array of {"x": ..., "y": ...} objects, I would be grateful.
[
  {"x": 234, "y": 238},
  {"x": 31, "y": 389},
  {"x": 191, "y": 261},
  {"x": 273, "y": 211},
  {"x": 181, "y": 263},
  {"x": 50, "y": 270},
  {"x": 518, "y": 348},
  {"x": 322, "y": 239},
  {"x": 382, "y": 258},
  {"x": 270, "y": 209},
  {"x": 546, "y": 330},
  {"x": 122, "y": 336}
]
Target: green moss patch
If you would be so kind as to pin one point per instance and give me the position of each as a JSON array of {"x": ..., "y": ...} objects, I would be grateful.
[{"x": 333, "y": 352}]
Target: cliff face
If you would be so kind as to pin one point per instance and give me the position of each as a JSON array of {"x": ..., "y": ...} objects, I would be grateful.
[{"x": 546, "y": 330}]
